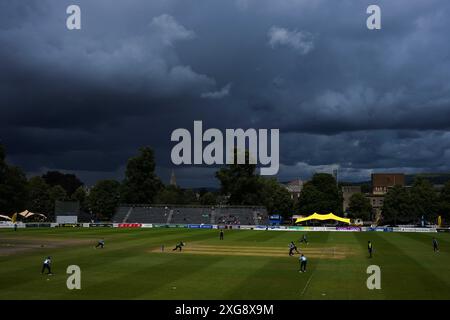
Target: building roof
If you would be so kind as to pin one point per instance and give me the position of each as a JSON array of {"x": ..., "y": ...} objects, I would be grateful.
[
  {"x": 294, "y": 185},
  {"x": 387, "y": 179}
]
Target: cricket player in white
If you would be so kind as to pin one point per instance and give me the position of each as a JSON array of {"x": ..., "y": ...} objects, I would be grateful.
[
  {"x": 302, "y": 261},
  {"x": 47, "y": 265}
]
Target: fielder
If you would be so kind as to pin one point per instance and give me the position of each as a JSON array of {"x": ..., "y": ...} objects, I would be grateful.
[
  {"x": 435, "y": 245},
  {"x": 303, "y": 239},
  {"x": 370, "y": 248},
  {"x": 47, "y": 266},
  {"x": 179, "y": 246},
  {"x": 101, "y": 244}
]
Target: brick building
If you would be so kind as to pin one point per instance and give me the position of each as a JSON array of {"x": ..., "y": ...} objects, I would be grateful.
[{"x": 347, "y": 192}]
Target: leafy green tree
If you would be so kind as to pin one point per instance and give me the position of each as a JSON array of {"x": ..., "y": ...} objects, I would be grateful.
[
  {"x": 39, "y": 196},
  {"x": 175, "y": 195},
  {"x": 276, "y": 198},
  {"x": 398, "y": 206},
  {"x": 169, "y": 195},
  {"x": 80, "y": 195},
  {"x": 424, "y": 199},
  {"x": 189, "y": 197},
  {"x": 104, "y": 198},
  {"x": 359, "y": 206},
  {"x": 208, "y": 199},
  {"x": 444, "y": 202},
  {"x": 69, "y": 182},
  {"x": 3, "y": 165},
  {"x": 57, "y": 193},
  {"x": 141, "y": 184},
  {"x": 320, "y": 195},
  {"x": 13, "y": 187},
  {"x": 239, "y": 182}
]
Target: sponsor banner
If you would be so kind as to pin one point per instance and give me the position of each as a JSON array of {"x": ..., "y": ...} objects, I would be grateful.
[
  {"x": 320, "y": 229},
  {"x": 68, "y": 225},
  {"x": 405, "y": 229},
  {"x": 100, "y": 225},
  {"x": 146, "y": 225},
  {"x": 247, "y": 227},
  {"x": 227, "y": 226},
  {"x": 280, "y": 228},
  {"x": 426, "y": 230},
  {"x": 4, "y": 225},
  {"x": 235, "y": 226},
  {"x": 300, "y": 228},
  {"x": 38, "y": 225},
  {"x": 206, "y": 226},
  {"x": 194, "y": 226},
  {"x": 349, "y": 228},
  {"x": 159, "y": 225},
  {"x": 129, "y": 225},
  {"x": 264, "y": 227},
  {"x": 380, "y": 229},
  {"x": 271, "y": 228},
  {"x": 443, "y": 230},
  {"x": 8, "y": 224}
]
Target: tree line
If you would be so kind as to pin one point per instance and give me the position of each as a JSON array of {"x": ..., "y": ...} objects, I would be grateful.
[
  {"x": 39, "y": 194},
  {"x": 403, "y": 205},
  {"x": 239, "y": 185}
]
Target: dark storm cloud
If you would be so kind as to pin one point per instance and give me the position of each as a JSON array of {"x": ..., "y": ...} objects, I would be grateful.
[{"x": 342, "y": 96}]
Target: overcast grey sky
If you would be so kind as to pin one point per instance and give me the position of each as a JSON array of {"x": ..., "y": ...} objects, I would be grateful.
[{"x": 342, "y": 96}]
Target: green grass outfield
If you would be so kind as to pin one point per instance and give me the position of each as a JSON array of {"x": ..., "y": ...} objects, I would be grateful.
[{"x": 246, "y": 265}]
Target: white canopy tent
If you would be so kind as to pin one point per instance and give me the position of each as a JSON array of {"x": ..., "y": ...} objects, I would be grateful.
[{"x": 28, "y": 214}]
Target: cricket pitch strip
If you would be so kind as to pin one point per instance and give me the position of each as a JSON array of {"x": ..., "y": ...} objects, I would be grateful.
[{"x": 321, "y": 253}]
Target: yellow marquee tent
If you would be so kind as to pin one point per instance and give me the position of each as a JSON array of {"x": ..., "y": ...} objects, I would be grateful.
[{"x": 329, "y": 216}]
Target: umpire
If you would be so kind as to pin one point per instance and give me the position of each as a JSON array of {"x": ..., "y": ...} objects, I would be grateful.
[{"x": 303, "y": 261}]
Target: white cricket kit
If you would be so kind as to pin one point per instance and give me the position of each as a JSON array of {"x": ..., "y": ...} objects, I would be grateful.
[{"x": 47, "y": 261}]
